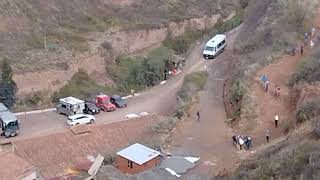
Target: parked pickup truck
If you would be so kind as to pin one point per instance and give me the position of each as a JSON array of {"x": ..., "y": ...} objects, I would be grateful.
[{"x": 103, "y": 102}]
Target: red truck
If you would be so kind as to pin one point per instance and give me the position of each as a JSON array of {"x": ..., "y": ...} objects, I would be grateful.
[{"x": 103, "y": 102}]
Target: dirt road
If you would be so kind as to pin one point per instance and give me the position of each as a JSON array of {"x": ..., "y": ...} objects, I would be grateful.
[
  {"x": 209, "y": 139},
  {"x": 160, "y": 100}
]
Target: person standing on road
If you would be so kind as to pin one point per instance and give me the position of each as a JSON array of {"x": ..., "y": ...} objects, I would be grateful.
[
  {"x": 301, "y": 49},
  {"x": 278, "y": 91},
  {"x": 234, "y": 140},
  {"x": 268, "y": 135},
  {"x": 248, "y": 142},
  {"x": 266, "y": 86},
  {"x": 276, "y": 120},
  {"x": 241, "y": 142},
  {"x": 198, "y": 115}
]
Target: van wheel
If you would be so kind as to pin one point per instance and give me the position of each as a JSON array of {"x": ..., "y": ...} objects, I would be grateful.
[
  {"x": 7, "y": 135},
  {"x": 91, "y": 121},
  {"x": 77, "y": 124}
]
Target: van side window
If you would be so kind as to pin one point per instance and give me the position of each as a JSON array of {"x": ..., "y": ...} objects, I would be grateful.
[{"x": 222, "y": 43}]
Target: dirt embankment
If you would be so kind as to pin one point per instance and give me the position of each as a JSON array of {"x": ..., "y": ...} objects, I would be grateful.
[
  {"x": 120, "y": 42},
  {"x": 54, "y": 36}
]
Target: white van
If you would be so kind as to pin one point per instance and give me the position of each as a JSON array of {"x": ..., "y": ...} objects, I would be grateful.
[
  {"x": 70, "y": 106},
  {"x": 214, "y": 46}
]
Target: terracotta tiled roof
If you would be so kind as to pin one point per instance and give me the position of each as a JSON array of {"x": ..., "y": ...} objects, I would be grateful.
[{"x": 13, "y": 167}]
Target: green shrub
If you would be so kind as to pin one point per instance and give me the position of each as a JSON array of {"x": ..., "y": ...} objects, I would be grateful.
[
  {"x": 8, "y": 87},
  {"x": 244, "y": 3},
  {"x": 297, "y": 14},
  {"x": 278, "y": 47},
  {"x": 237, "y": 91},
  {"x": 33, "y": 100},
  {"x": 109, "y": 159},
  {"x": 192, "y": 83},
  {"x": 285, "y": 126},
  {"x": 81, "y": 86},
  {"x": 71, "y": 39},
  {"x": 308, "y": 110},
  {"x": 181, "y": 44},
  {"x": 165, "y": 126},
  {"x": 138, "y": 73},
  {"x": 35, "y": 41},
  {"x": 307, "y": 71},
  {"x": 289, "y": 162},
  {"x": 222, "y": 27}
]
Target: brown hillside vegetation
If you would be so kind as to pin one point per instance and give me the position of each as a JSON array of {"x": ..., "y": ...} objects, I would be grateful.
[{"x": 64, "y": 24}]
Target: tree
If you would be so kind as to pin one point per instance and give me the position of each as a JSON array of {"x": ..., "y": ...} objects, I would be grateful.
[{"x": 8, "y": 87}]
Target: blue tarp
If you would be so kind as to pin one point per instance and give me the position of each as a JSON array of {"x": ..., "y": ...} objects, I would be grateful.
[{"x": 264, "y": 78}]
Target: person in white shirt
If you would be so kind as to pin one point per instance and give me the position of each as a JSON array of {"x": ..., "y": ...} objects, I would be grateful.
[
  {"x": 276, "y": 120},
  {"x": 241, "y": 142}
]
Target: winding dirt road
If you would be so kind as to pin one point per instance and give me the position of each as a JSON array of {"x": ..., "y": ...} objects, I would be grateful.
[
  {"x": 159, "y": 100},
  {"x": 208, "y": 139}
]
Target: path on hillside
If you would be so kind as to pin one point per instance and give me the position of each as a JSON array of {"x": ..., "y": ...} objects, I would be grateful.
[{"x": 267, "y": 106}]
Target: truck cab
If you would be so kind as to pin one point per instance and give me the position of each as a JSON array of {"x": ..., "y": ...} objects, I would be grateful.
[
  {"x": 8, "y": 122},
  {"x": 103, "y": 102}
]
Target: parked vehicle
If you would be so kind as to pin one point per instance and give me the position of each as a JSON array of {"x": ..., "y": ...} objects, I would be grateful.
[
  {"x": 80, "y": 119},
  {"x": 70, "y": 106},
  {"x": 8, "y": 122},
  {"x": 103, "y": 102},
  {"x": 91, "y": 108},
  {"x": 118, "y": 101},
  {"x": 214, "y": 46}
]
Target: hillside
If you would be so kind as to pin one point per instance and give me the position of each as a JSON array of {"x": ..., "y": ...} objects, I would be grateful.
[
  {"x": 47, "y": 42},
  {"x": 268, "y": 32},
  {"x": 68, "y": 26}
]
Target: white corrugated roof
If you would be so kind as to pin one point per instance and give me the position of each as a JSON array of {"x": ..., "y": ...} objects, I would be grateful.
[
  {"x": 71, "y": 100},
  {"x": 138, "y": 153}
]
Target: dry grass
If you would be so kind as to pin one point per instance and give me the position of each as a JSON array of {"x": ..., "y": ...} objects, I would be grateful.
[
  {"x": 188, "y": 93},
  {"x": 249, "y": 113},
  {"x": 285, "y": 158}
]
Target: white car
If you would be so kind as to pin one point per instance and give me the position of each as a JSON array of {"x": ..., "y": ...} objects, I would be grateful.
[{"x": 80, "y": 119}]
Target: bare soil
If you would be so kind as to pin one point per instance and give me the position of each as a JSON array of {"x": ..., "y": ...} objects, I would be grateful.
[
  {"x": 266, "y": 105},
  {"x": 209, "y": 138},
  {"x": 269, "y": 106}
]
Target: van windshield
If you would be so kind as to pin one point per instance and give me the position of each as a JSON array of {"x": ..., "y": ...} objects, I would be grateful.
[
  {"x": 12, "y": 124},
  {"x": 208, "y": 48}
]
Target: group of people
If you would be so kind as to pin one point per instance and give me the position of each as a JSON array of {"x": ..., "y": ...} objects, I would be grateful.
[
  {"x": 309, "y": 40},
  {"x": 276, "y": 90},
  {"x": 293, "y": 51},
  {"x": 241, "y": 141}
]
